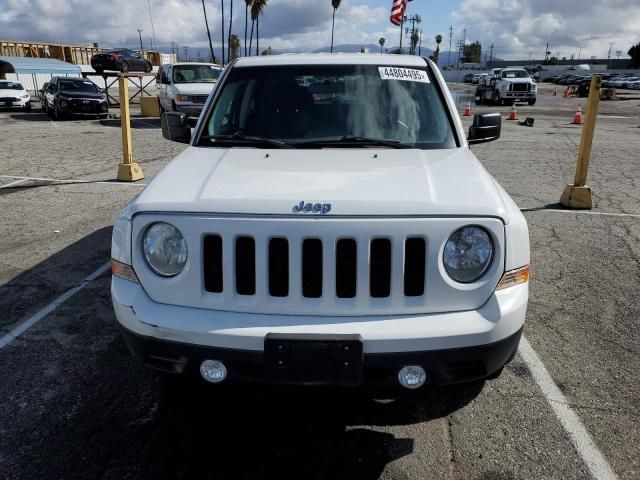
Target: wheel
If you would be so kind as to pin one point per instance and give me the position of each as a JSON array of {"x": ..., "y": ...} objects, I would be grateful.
[
  {"x": 173, "y": 106},
  {"x": 531, "y": 102},
  {"x": 56, "y": 111},
  {"x": 99, "y": 71},
  {"x": 124, "y": 68},
  {"x": 103, "y": 116},
  {"x": 148, "y": 68},
  {"x": 27, "y": 107}
]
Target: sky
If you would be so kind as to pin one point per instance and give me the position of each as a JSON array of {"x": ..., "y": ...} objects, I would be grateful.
[{"x": 517, "y": 28}]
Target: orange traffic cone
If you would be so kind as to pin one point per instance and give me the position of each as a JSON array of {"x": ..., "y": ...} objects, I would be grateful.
[
  {"x": 577, "y": 118},
  {"x": 467, "y": 110},
  {"x": 555, "y": 91},
  {"x": 565, "y": 94},
  {"x": 513, "y": 115}
]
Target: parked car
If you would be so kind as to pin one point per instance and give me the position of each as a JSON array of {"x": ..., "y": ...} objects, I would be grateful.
[
  {"x": 476, "y": 79},
  {"x": 67, "y": 96},
  {"x": 468, "y": 78},
  {"x": 14, "y": 95},
  {"x": 120, "y": 60},
  {"x": 42, "y": 95},
  {"x": 305, "y": 239},
  {"x": 185, "y": 87}
]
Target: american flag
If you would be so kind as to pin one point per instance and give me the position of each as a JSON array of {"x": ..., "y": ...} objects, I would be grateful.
[{"x": 398, "y": 9}]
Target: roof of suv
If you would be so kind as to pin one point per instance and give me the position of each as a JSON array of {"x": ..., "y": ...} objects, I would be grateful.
[{"x": 332, "y": 59}]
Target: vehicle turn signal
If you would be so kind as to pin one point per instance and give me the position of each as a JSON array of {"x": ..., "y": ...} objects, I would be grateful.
[
  {"x": 514, "y": 277},
  {"x": 123, "y": 270}
]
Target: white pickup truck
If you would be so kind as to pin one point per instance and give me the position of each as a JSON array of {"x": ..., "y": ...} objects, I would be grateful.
[
  {"x": 505, "y": 86},
  {"x": 327, "y": 224}
]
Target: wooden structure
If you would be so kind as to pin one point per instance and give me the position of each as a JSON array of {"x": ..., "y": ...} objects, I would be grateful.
[{"x": 76, "y": 54}]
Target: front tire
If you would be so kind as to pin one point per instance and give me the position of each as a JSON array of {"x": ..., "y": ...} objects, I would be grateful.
[
  {"x": 148, "y": 67},
  {"x": 27, "y": 107},
  {"x": 99, "y": 71},
  {"x": 124, "y": 68},
  {"x": 531, "y": 102}
]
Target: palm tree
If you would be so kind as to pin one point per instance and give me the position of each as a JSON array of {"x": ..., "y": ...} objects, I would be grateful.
[
  {"x": 230, "y": 27},
  {"x": 222, "y": 7},
  {"x": 438, "y": 41},
  {"x": 206, "y": 22},
  {"x": 335, "y": 4},
  {"x": 256, "y": 11},
  {"x": 381, "y": 41},
  {"x": 247, "y": 5},
  {"x": 234, "y": 47}
]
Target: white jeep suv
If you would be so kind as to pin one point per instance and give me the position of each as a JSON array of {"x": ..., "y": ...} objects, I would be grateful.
[{"x": 327, "y": 225}]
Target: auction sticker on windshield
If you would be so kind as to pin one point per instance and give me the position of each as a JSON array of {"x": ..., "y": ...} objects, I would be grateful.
[{"x": 408, "y": 74}]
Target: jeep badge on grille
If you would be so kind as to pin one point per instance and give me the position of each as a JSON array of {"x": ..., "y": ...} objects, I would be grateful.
[{"x": 311, "y": 207}]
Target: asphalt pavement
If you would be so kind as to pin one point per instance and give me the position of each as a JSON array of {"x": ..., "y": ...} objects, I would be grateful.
[{"x": 74, "y": 404}]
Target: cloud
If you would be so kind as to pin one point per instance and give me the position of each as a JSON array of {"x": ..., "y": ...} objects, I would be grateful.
[{"x": 519, "y": 26}]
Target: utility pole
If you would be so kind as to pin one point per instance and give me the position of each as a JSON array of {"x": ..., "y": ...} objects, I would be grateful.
[
  {"x": 491, "y": 55},
  {"x": 186, "y": 53},
  {"x": 609, "y": 54},
  {"x": 546, "y": 54},
  {"x": 450, "y": 40},
  {"x": 140, "y": 35},
  {"x": 579, "y": 52},
  {"x": 222, "y": 6}
]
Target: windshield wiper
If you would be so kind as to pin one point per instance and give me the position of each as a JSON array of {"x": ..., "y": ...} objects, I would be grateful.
[
  {"x": 249, "y": 139},
  {"x": 353, "y": 140}
]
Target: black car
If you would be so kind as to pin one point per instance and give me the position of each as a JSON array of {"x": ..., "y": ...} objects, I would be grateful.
[
  {"x": 66, "y": 96},
  {"x": 468, "y": 78},
  {"x": 120, "y": 60}
]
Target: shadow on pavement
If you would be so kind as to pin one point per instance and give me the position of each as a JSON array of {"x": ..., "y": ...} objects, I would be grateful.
[{"x": 146, "y": 123}]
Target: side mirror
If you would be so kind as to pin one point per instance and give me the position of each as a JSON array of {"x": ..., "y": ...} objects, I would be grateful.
[
  {"x": 175, "y": 127},
  {"x": 164, "y": 79},
  {"x": 486, "y": 127}
]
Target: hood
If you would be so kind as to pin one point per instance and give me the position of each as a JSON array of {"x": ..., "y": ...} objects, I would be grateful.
[
  {"x": 517, "y": 80},
  {"x": 88, "y": 95},
  {"x": 11, "y": 92},
  {"x": 360, "y": 182},
  {"x": 194, "y": 88}
]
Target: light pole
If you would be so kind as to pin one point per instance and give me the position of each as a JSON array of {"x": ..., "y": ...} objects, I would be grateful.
[{"x": 140, "y": 35}]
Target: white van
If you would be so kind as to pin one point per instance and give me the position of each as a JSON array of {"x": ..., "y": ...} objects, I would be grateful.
[{"x": 184, "y": 87}]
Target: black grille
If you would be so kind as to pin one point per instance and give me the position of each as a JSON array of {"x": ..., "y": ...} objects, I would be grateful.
[
  {"x": 212, "y": 257},
  {"x": 414, "y": 265},
  {"x": 346, "y": 268},
  {"x": 199, "y": 98},
  {"x": 312, "y": 268},
  {"x": 520, "y": 87},
  {"x": 245, "y": 266},
  {"x": 278, "y": 267},
  {"x": 380, "y": 268}
]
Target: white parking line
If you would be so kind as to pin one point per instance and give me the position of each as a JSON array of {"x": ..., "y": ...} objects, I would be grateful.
[
  {"x": 29, "y": 322},
  {"x": 11, "y": 184},
  {"x": 57, "y": 180},
  {"x": 586, "y": 447},
  {"x": 586, "y": 212}
]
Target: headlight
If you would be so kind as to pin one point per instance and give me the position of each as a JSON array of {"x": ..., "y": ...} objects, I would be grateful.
[
  {"x": 467, "y": 254},
  {"x": 26, "y": 95},
  {"x": 165, "y": 249}
]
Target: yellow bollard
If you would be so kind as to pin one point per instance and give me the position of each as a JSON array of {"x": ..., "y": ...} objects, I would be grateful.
[
  {"x": 128, "y": 171},
  {"x": 578, "y": 194}
]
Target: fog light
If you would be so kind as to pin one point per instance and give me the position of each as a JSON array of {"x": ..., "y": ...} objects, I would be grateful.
[
  {"x": 213, "y": 371},
  {"x": 412, "y": 376}
]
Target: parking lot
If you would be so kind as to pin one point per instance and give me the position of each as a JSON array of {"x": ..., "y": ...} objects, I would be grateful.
[{"x": 74, "y": 404}]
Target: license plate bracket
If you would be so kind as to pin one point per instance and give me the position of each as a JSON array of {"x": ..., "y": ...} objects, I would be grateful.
[{"x": 313, "y": 359}]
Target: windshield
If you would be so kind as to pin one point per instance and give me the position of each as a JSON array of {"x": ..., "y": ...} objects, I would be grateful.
[
  {"x": 303, "y": 104},
  {"x": 195, "y": 73},
  {"x": 10, "y": 86},
  {"x": 78, "y": 86},
  {"x": 515, "y": 74}
]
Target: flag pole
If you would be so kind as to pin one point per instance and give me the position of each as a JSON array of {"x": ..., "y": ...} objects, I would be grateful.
[{"x": 401, "y": 30}]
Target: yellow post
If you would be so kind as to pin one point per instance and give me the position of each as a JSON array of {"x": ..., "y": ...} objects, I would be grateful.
[
  {"x": 128, "y": 171},
  {"x": 578, "y": 193}
]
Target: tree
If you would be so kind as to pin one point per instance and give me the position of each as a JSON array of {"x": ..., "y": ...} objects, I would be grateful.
[
  {"x": 230, "y": 27},
  {"x": 553, "y": 61},
  {"x": 634, "y": 53},
  {"x": 472, "y": 53},
  {"x": 206, "y": 23},
  {"x": 222, "y": 12},
  {"x": 256, "y": 10},
  {"x": 234, "y": 47},
  {"x": 381, "y": 41},
  {"x": 335, "y": 4},
  {"x": 437, "y": 52},
  {"x": 247, "y": 6}
]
